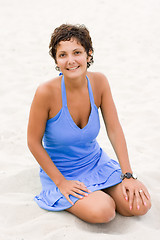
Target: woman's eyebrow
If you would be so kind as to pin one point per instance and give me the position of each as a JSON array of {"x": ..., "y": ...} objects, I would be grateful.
[{"x": 77, "y": 49}]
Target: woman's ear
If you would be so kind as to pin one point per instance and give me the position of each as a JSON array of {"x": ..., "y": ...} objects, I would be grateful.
[
  {"x": 89, "y": 57},
  {"x": 90, "y": 53},
  {"x": 57, "y": 68}
]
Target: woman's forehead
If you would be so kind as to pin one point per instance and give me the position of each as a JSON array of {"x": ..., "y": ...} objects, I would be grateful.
[{"x": 69, "y": 43}]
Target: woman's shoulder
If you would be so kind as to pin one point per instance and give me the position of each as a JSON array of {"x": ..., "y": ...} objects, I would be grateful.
[
  {"x": 99, "y": 84},
  {"x": 98, "y": 79},
  {"x": 49, "y": 88},
  {"x": 97, "y": 76}
]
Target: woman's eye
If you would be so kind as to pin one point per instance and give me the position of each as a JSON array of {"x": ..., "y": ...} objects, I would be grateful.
[
  {"x": 62, "y": 55},
  {"x": 77, "y": 53}
]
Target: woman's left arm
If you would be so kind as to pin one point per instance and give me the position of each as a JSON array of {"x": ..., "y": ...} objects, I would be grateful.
[{"x": 117, "y": 139}]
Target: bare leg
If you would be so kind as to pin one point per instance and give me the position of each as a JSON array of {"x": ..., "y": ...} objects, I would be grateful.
[
  {"x": 97, "y": 207},
  {"x": 122, "y": 206}
]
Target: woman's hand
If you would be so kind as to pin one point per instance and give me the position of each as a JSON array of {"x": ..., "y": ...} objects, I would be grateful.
[
  {"x": 135, "y": 190},
  {"x": 74, "y": 188}
]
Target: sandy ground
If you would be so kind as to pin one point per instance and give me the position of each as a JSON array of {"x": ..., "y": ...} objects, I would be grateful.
[{"x": 126, "y": 38}]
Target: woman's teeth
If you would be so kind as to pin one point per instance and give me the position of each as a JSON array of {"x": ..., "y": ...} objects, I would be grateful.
[{"x": 72, "y": 68}]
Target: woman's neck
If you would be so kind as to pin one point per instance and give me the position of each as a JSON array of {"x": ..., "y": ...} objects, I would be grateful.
[{"x": 75, "y": 83}]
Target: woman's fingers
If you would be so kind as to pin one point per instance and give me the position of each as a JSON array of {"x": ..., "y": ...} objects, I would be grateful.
[
  {"x": 138, "y": 199},
  {"x": 75, "y": 195},
  {"x": 124, "y": 191},
  {"x": 76, "y": 189},
  {"x": 69, "y": 200},
  {"x": 135, "y": 192},
  {"x": 144, "y": 196},
  {"x": 131, "y": 196},
  {"x": 81, "y": 192},
  {"x": 80, "y": 186},
  {"x": 80, "y": 183},
  {"x": 78, "y": 195}
]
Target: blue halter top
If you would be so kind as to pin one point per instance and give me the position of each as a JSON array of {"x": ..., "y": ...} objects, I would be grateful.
[{"x": 77, "y": 155}]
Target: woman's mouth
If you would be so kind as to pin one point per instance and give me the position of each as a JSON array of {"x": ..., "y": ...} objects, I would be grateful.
[{"x": 72, "y": 69}]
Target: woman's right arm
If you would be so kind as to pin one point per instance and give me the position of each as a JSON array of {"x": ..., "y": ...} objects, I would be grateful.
[{"x": 36, "y": 126}]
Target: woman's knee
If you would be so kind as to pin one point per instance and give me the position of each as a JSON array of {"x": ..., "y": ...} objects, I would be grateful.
[
  {"x": 103, "y": 215},
  {"x": 143, "y": 209},
  {"x": 123, "y": 207},
  {"x": 135, "y": 211},
  {"x": 98, "y": 207}
]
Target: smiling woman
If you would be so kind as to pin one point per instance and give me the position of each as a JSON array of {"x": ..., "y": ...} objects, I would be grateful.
[
  {"x": 76, "y": 174},
  {"x": 65, "y": 33},
  {"x": 71, "y": 57}
]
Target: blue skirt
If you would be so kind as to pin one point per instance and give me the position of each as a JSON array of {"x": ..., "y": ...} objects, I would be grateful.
[{"x": 105, "y": 173}]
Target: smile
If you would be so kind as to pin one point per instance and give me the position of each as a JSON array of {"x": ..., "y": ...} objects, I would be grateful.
[{"x": 71, "y": 69}]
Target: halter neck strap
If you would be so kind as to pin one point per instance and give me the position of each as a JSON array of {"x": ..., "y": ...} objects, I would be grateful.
[{"x": 64, "y": 96}]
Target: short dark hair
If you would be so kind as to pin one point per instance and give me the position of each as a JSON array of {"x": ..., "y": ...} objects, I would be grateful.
[{"x": 67, "y": 31}]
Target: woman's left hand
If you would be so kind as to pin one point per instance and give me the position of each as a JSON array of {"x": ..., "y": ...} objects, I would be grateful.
[{"x": 135, "y": 190}]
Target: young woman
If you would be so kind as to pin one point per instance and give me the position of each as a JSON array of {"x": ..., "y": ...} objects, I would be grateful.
[{"x": 76, "y": 174}]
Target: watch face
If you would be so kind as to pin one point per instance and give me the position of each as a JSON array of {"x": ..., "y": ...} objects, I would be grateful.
[{"x": 128, "y": 175}]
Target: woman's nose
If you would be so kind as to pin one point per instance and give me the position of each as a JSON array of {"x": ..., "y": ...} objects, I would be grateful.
[{"x": 71, "y": 59}]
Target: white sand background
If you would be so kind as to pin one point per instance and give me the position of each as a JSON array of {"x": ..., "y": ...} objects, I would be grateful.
[{"x": 126, "y": 39}]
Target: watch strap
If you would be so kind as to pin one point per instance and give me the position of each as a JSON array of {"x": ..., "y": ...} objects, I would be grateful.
[{"x": 128, "y": 175}]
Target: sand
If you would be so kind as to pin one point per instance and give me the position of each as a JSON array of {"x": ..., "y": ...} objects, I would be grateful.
[{"x": 126, "y": 37}]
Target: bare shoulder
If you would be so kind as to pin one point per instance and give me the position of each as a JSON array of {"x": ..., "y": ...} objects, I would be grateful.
[
  {"x": 48, "y": 90},
  {"x": 100, "y": 86},
  {"x": 99, "y": 80}
]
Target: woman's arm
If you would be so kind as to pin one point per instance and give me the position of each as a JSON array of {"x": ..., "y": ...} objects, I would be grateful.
[
  {"x": 113, "y": 127},
  {"x": 130, "y": 187},
  {"x": 36, "y": 126}
]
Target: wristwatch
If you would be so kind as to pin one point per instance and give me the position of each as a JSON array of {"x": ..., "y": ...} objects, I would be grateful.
[{"x": 128, "y": 175}]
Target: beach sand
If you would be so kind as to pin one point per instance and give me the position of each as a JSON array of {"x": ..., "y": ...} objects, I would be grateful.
[{"x": 126, "y": 37}]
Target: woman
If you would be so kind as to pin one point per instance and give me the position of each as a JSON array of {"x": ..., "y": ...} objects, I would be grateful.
[{"x": 76, "y": 174}]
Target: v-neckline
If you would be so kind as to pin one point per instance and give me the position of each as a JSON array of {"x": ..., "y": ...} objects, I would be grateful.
[
  {"x": 75, "y": 125},
  {"x": 64, "y": 98}
]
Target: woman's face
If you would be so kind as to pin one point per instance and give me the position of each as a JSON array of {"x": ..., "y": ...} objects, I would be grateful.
[{"x": 71, "y": 58}]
